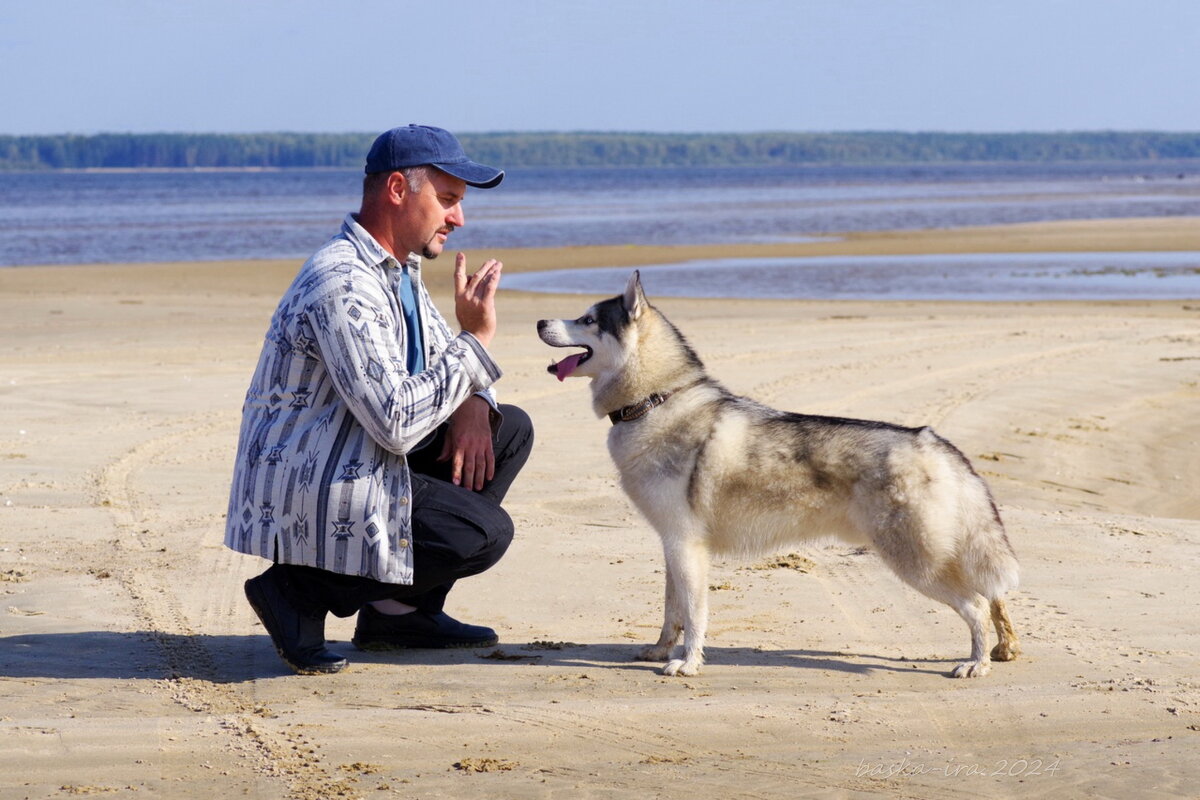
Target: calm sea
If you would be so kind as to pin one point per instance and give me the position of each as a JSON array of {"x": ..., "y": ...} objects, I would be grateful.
[{"x": 115, "y": 217}]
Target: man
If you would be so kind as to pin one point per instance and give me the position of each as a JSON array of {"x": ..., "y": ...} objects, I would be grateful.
[{"x": 373, "y": 457}]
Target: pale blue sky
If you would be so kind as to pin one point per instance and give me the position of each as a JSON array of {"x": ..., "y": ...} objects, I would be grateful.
[{"x": 88, "y": 66}]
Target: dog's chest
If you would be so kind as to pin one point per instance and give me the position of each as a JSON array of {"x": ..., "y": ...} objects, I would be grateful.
[{"x": 652, "y": 462}]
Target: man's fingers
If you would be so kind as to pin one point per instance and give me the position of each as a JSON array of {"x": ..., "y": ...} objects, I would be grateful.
[
  {"x": 482, "y": 472},
  {"x": 474, "y": 475},
  {"x": 485, "y": 275},
  {"x": 482, "y": 283},
  {"x": 456, "y": 471},
  {"x": 471, "y": 474},
  {"x": 489, "y": 281},
  {"x": 460, "y": 273}
]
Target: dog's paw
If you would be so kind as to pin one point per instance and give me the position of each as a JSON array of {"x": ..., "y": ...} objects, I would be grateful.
[
  {"x": 1005, "y": 651},
  {"x": 653, "y": 652},
  {"x": 971, "y": 669},
  {"x": 679, "y": 666}
]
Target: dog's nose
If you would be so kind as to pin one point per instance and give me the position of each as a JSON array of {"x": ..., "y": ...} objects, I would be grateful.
[{"x": 542, "y": 323}]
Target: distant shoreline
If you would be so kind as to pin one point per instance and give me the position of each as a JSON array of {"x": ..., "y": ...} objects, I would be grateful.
[
  {"x": 1193, "y": 163},
  {"x": 599, "y": 149}
]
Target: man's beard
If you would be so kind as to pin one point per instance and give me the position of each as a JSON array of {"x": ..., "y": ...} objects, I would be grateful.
[{"x": 429, "y": 252}]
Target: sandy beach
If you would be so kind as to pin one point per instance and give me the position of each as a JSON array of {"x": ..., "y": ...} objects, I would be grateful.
[{"x": 132, "y": 666}]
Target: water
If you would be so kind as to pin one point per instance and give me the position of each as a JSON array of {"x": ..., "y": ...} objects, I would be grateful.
[
  {"x": 114, "y": 217},
  {"x": 119, "y": 217},
  {"x": 979, "y": 276}
]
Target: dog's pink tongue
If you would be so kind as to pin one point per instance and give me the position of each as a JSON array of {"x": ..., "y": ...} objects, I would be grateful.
[{"x": 564, "y": 368}]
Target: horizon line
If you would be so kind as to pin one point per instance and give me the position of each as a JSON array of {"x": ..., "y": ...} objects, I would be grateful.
[{"x": 633, "y": 132}]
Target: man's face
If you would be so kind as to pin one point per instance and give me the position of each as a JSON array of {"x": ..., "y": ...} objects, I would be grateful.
[{"x": 431, "y": 212}]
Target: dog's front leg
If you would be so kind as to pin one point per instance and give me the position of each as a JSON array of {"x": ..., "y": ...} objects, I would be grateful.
[
  {"x": 688, "y": 561},
  {"x": 672, "y": 618}
]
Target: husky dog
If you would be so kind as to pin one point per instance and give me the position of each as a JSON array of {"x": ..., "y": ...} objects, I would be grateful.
[{"x": 718, "y": 473}]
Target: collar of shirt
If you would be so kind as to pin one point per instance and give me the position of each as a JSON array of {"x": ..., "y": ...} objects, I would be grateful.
[{"x": 371, "y": 251}]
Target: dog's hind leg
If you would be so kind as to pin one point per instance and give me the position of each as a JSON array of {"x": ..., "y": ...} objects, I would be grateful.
[
  {"x": 688, "y": 560},
  {"x": 975, "y": 612},
  {"x": 1008, "y": 648},
  {"x": 672, "y": 620}
]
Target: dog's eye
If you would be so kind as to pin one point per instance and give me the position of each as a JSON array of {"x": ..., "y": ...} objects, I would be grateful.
[{"x": 587, "y": 320}]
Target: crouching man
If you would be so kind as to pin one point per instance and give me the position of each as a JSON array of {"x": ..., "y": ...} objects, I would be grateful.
[{"x": 373, "y": 458}]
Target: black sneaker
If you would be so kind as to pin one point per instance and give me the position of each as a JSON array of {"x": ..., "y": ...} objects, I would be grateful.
[
  {"x": 298, "y": 638},
  {"x": 417, "y": 629}
]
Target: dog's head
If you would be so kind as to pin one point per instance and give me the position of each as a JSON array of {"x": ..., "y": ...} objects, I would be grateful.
[{"x": 602, "y": 332}]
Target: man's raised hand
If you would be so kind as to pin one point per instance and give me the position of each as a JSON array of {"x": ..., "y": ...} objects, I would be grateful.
[{"x": 475, "y": 298}]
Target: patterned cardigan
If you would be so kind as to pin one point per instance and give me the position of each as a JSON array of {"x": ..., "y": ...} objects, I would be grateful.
[{"x": 320, "y": 478}]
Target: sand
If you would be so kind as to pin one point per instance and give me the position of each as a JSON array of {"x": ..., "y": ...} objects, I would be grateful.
[{"x": 131, "y": 665}]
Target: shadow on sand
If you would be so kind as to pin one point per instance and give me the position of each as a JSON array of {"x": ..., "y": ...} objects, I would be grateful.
[{"x": 153, "y": 655}]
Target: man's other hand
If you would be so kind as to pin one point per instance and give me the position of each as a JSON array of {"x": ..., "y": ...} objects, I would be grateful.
[{"x": 468, "y": 444}]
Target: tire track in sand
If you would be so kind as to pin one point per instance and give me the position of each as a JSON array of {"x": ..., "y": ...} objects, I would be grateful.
[{"x": 192, "y": 674}]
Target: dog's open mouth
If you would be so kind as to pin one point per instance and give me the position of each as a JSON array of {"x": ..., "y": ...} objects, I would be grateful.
[{"x": 568, "y": 365}]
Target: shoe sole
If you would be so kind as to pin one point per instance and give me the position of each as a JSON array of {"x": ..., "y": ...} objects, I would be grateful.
[
  {"x": 258, "y": 602},
  {"x": 383, "y": 646}
]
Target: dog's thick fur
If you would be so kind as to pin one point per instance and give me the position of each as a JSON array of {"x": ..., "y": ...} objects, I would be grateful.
[{"x": 715, "y": 473}]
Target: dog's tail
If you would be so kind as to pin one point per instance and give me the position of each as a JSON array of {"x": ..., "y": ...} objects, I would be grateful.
[
  {"x": 988, "y": 560},
  {"x": 985, "y": 555}
]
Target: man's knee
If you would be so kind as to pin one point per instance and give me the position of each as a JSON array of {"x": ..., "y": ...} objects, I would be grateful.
[
  {"x": 515, "y": 415},
  {"x": 496, "y": 531},
  {"x": 498, "y": 538},
  {"x": 458, "y": 522},
  {"x": 461, "y": 547},
  {"x": 516, "y": 431}
]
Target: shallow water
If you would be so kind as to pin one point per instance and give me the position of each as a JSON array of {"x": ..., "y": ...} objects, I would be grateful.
[
  {"x": 111, "y": 217},
  {"x": 985, "y": 276}
]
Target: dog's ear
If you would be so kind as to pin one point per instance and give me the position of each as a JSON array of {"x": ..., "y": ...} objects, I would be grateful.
[{"x": 635, "y": 298}]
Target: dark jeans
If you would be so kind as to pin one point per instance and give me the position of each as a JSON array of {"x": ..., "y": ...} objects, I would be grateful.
[{"x": 456, "y": 532}]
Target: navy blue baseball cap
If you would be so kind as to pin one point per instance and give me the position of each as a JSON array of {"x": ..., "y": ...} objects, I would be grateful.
[{"x": 420, "y": 145}]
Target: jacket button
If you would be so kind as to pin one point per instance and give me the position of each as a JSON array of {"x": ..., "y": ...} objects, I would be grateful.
[
  {"x": 403, "y": 543},
  {"x": 403, "y": 501}
]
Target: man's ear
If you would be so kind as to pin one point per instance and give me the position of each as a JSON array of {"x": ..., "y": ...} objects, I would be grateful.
[
  {"x": 397, "y": 186},
  {"x": 634, "y": 299}
]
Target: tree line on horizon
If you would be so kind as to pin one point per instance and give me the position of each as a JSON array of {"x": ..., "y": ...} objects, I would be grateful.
[{"x": 583, "y": 149}]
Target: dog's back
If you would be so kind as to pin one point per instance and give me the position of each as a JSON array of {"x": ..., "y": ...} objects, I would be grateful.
[{"x": 758, "y": 480}]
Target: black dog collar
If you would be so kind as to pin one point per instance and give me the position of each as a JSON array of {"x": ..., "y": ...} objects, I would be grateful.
[{"x": 638, "y": 410}]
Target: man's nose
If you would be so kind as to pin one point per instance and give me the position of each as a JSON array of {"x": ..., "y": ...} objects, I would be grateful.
[{"x": 456, "y": 216}]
